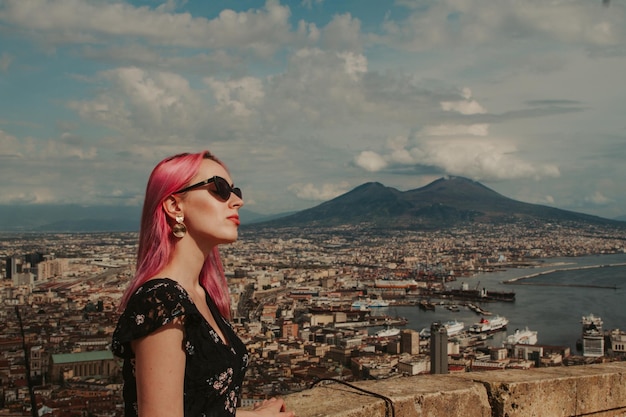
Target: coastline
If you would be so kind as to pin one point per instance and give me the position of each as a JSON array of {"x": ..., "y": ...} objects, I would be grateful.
[{"x": 515, "y": 281}]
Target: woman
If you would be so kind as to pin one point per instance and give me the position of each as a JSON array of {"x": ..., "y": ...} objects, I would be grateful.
[{"x": 181, "y": 356}]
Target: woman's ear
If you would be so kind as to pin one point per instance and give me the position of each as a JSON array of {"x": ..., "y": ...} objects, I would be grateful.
[{"x": 172, "y": 207}]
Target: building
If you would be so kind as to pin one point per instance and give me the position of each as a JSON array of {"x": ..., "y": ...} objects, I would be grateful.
[
  {"x": 410, "y": 342},
  {"x": 414, "y": 365},
  {"x": 438, "y": 349},
  {"x": 618, "y": 341},
  {"x": 13, "y": 266},
  {"x": 289, "y": 329},
  {"x": 94, "y": 363},
  {"x": 52, "y": 268}
]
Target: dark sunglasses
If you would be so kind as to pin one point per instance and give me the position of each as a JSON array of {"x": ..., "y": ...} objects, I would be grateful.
[{"x": 222, "y": 188}]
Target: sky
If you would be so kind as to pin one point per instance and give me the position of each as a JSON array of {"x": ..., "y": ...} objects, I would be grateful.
[{"x": 306, "y": 100}]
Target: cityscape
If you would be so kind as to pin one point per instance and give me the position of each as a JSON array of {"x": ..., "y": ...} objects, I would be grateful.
[{"x": 310, "y": 303}]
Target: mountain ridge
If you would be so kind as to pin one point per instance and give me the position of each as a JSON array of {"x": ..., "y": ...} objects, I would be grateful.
[{"x": 445, "y": 202}]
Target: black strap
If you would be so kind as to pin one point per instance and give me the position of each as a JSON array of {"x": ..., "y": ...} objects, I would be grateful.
[{"x": 389, "y": 409}]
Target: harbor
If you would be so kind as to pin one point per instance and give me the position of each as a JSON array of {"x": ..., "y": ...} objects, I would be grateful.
[
  {"x": 570, "y": 287},
  {"x": 579, "y": 287}
]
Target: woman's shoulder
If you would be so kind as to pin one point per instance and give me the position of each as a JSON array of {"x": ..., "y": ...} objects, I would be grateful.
[
  {"x": 154, "y": 304},
  {"x": 159, "y": 286},
  {"x": 160, "y": 297}
]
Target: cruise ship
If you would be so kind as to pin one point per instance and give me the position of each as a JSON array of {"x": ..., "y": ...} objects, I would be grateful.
[
  {"x": 522, "y": 337},
  {"x": 388, "y": 332},
  {"x": 454, "y": 327},
  {"x": 593, "y": 336},
  {"x": 365, "y": 304},
  {"x": 494, "y": 324}
]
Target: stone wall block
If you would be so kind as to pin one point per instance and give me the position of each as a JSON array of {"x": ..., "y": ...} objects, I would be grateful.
[
  {"x": 419, "y": 396},
  {"x": 555, "y": 392}
]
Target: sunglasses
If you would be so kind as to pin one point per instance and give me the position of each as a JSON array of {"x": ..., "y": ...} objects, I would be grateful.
[{"x": 222, "y": 188}]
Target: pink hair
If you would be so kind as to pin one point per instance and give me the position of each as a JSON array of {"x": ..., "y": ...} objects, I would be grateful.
[{"x": 155, "y": 235}]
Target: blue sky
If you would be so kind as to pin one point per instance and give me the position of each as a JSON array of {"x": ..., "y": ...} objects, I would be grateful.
[{"x": 305, "y": 100}]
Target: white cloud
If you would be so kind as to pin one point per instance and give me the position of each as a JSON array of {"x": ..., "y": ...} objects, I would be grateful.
[
  {"x": 370, "y": 161},
  {"x": 239, "y": 96},
  {"x": 479, "y": 159},
  {"x": 482, "y": 22},
  {"x": 342, "y": 33},
  {"x": 597, "y": 198},
  {"x": 463, "y": 107},
  {"x": 314, "y": 192},
  {"x": 480, "y": 129},
  {"x": 75, "y": 21},
  {"x": 466, "y": 106},
  {"x": 153, "y": 103},
  {"x": 356, "y": 64}
]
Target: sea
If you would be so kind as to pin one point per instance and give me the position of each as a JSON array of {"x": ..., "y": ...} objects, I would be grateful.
[{"x": 550, "y": 298}]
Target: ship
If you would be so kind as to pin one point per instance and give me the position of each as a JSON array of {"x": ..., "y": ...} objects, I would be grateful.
[
  {"x": 388, "y": 332},
  {"x": 365, "y": 304},
  {"x": 454, "y": 327},
  {"x": 494, "y": 324},
  {"x": 475, "y": 294},
  {"x": 522, "y": 337},
  {"x": 424, "y": 333},
  {"x": 396, "y": 284},
  {"x": 478, "y": 310},
  {"x": 426, "y": 305},
  {"x": 593, "y": 336}
]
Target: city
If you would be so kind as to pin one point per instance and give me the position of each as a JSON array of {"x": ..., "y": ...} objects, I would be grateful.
[{"x": 305, "y": 301}]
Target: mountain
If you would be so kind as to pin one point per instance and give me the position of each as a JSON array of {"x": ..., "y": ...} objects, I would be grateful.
[
  {"x": 446, "y": 202},
  {"x": 69, "y": 218},
  {"x": 82, "y": 218},
  {"x": 250, "y": 217}
]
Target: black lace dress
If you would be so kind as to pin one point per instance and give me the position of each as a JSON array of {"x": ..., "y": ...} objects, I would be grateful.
[{"x": 214, "y": 371}]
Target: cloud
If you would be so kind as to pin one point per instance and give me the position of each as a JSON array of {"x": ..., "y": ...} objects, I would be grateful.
[
  {"x": 343, "y": 33},
  {"x": 456, "y": 149},
  {"x": 484, "y": 160},
  {"x": 479, "y": 129},
  {"x": 482, "y": 22},
  {"x": 310, "y": 191},
  {"x": 238, "y": 96},
  {"x": 370, "y": 161},
  {"x": 5, "y": 62},
  {"x": 10, "y": 146},
  {"x": 157, "y": 104},
  {"x": 598, "y": 199},
  {"x": 73, "y": 21},
  {"x": 480, "y": 159}
]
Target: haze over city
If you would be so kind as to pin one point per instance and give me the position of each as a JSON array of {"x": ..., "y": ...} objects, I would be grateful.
[{"x": 305, "y": 100}]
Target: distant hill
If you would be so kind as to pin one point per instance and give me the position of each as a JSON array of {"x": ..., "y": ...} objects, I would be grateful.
[
  {"x": 68, "y": 218},
  {"x": 80, "y": 218},
  {"x": 446, "y": 202}
]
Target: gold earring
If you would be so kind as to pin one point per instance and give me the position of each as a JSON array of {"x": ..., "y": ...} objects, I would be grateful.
[{"x": 179, "y": 229}]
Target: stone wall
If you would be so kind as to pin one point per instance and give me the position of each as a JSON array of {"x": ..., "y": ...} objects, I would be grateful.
[{"x": 591, "y": 390}]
